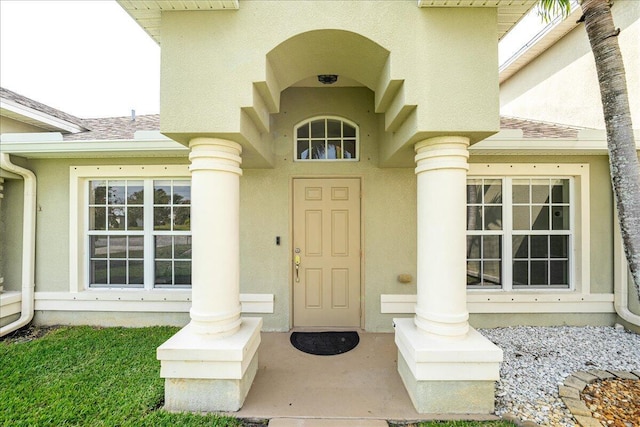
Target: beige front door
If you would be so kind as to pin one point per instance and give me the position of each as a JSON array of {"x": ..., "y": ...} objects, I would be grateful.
[{"x": 326, "y": 245}]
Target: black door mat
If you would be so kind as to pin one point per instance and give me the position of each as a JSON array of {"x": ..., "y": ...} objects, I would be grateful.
[{"x": 325, "y": 343}]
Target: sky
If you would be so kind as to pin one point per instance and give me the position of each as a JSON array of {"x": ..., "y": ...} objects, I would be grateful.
[
  {"x": 86, "y": 58},
  {"x": 90, "y": 59}
]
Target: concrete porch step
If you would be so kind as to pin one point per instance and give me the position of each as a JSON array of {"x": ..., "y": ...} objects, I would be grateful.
[{"x": 325, "y": 422}]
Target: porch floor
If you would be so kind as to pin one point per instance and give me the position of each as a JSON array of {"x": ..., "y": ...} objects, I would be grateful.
[{"x": 361, "y": 384}]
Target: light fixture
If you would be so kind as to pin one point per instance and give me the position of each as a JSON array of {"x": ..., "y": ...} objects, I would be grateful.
[{"x": 327, "y": 79}]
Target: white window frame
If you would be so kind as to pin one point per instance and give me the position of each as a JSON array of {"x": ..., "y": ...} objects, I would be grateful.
[
  {"x": 342, "y": 138},
  {"x": 579, "y": 252},
  {"x": 78, "y": 217}
]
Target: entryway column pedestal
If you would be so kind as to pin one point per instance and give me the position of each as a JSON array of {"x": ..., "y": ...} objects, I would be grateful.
[
  {"x": 446, "y": 366},
  {"x": 210, "y": 364}
]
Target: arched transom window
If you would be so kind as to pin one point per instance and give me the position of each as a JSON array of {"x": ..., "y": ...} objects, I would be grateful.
[{"x": 326, "y": 138}]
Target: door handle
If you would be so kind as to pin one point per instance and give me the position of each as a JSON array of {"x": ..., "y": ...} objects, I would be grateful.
[{"x": 296, "y": 260}]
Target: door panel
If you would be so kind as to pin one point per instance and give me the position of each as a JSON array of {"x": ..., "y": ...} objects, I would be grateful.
[{"x": 326, "y": 230}]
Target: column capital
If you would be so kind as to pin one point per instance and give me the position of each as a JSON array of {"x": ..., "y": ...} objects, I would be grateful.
[
  {"x": 442, "y": 152},
  {"x": 215, "y": 154}
]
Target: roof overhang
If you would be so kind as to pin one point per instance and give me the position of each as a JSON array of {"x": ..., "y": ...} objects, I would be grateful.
[
  {"x": 31, "y": 116},
  {"x": 509, "y": 142},
  {"x": 510, "y": 12},
  {"x": 539, "y": 43},
  {"x": 147, "y": 13},
  {"x": 51, "y": 145}
]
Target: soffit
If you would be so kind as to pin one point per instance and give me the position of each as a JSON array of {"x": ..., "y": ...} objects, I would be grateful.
[
  {"x": 542, "y": 41},
  {"x": 147, "y": 12},
  {"x": 509, "y": 11}
]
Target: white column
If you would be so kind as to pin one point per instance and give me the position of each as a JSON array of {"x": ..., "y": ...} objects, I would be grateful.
[
  {"x": 441, "y": 169},
  {"x": 215, "y": 226}
]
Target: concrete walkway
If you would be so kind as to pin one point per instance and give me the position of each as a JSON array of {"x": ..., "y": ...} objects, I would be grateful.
[{"x": 362, "y": 384}]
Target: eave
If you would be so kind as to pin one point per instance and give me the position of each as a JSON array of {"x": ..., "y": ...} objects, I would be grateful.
[
  {"x": 539, "y": 43},
  {"x": 51, "y": 145},
  {"x": 31, "y": 116},
  {"x": 510, "y": 12},
  {"x": 147, "y": 13},
  {"x": 511, "y": 143}
]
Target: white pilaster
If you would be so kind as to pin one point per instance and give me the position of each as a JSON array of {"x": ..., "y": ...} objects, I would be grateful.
[
  {"x": 215, "y": 226},
  {"x": 210, "y": 364},
  {"x": 446, "y": 366},
  {"x": 441, "y": 169}
]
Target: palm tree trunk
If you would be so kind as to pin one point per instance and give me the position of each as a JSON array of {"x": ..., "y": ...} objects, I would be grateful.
[{"x": 623, "y": 159}]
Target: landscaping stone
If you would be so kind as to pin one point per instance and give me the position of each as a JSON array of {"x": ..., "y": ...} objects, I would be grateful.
[
  {"x": 576, "y": 406},
  {"x": 575, "y": 382},
  {"x": 585, "y": 376},
  {"x": 603, "y": 375},
  {"x": 571, "y": 392},
  {"x": 587, "y": 421},
  {"x": 624, "y": 375},
  {"x": 537, "y": 361}
]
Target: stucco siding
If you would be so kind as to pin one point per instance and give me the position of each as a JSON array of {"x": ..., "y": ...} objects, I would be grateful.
[
  {"x": 12, "y": 206},
  {"x": 561, "y": 85},
  {"x": 388, "y": 207},
  {"x": 388, "y": 226},
  {"x": 443, "y": 61},
  {"x": 52, "y": 217}
]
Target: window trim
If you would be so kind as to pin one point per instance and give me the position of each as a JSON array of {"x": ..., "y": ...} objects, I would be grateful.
[
  {"x": 579, "y": 202},
  {"x": 79, "y": 177},
  {"x": 326, "y": 117}
]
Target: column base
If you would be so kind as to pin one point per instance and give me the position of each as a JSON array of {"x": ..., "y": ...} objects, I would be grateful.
[
  {"x": 209, "y": 374},
  {"x": 447, "y": 375}
]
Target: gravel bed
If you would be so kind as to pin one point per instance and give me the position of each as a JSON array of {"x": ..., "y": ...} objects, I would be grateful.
[{"x": 538, "y": 359}]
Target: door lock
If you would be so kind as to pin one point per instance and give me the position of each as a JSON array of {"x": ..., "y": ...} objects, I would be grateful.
[{"x": 296, "y": 261}]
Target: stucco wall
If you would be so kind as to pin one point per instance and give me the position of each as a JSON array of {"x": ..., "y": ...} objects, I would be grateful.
[
  {"x": 388, "y": 206},
  {"x": 11, "y": 239},
  {"x": 52, "y": 219},
  {"x": 446, "y": 59},
  {"x": 388, "y": 220},
  {"x": 561, "y": 85}
]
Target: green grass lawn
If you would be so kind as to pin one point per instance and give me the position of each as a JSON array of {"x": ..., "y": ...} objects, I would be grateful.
[{"x": 83, "y": 376}]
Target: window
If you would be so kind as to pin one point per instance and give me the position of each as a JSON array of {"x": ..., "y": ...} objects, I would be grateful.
[
  {"x": 139, "y": 233},
  {"x": 519, "y": 232},
  {"x": 327, "y": 138}
]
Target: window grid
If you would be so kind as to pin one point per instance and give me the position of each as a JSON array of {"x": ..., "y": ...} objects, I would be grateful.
[
  {"x": 117, "y": 260},
  {"x": 535, "y": 256},
  {"x": 484, "y": 233},
  {"x": 171, "y": 235},
  {"x": 326, "y": 139},
  {"x": 541, "y": 238},
  {"x": 121, "y": 237}
]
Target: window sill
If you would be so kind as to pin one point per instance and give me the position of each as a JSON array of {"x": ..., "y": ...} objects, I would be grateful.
[
  {"x": 136, "y": 300},
  {"x": 512, "y": 302}
]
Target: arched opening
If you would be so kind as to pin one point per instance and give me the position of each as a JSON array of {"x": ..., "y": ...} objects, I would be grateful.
[{"x": 338, "y": 52}]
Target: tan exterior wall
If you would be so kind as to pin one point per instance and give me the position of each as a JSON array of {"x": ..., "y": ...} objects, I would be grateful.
[
  {"x": 561, "y": 85},
  {"x": 388, "y": 220},
  {"x": 446, "y": 59},
  {"x": 388, "y": 207},
  {"x": 11, "y": 238},
  {"x": 8, "y": 125}
]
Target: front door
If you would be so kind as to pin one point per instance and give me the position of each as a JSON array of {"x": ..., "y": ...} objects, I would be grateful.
[{"x": 326, "y": 245}]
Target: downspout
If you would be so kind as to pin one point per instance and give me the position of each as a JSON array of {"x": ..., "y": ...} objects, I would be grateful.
[
  {"x": 621, "y": 280},
  {"x": 28, "y": 244}
]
